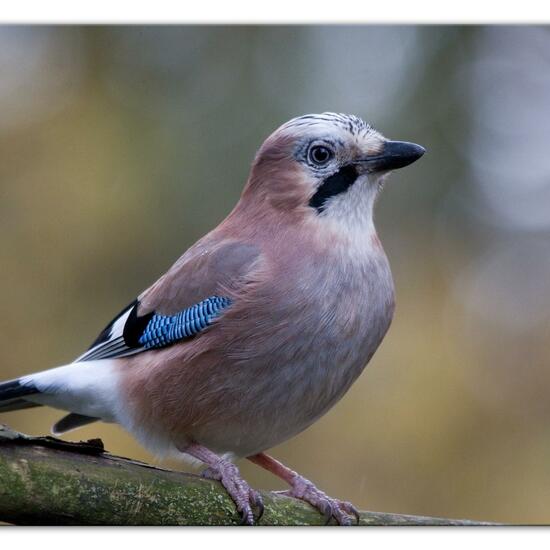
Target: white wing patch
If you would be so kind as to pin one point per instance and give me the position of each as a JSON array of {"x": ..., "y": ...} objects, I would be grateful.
[{"x": 111, "y": 341}]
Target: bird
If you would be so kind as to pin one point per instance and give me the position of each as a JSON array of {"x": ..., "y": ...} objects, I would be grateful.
[{"x": 260, "y": 327}]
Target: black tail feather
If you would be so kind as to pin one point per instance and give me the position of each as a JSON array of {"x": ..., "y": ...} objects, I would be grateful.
[
  {"x": 11, "y": 393},
  {"x": 13, "y": 389},
  {"x": 17, "y": 405},
  {"x": 71, "y": 422}
]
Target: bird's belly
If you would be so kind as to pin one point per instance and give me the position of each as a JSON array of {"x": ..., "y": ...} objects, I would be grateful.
[
  {"x": 266, "y": 420},
  {"x": 285, "y": 392}
]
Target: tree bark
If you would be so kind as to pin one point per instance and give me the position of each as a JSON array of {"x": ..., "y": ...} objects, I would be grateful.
[{"x": 47, "y": 481}]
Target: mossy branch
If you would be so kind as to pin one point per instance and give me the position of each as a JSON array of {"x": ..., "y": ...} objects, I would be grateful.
[{"x": 47, "y": 481}]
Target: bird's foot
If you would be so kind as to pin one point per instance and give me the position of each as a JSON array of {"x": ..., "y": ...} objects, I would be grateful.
[
  {"x": 340, "y": 510},
  {"x": 245, "y": 498}
]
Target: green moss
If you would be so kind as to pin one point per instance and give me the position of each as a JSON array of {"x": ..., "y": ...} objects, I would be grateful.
[{"x": 52, "y": 485}]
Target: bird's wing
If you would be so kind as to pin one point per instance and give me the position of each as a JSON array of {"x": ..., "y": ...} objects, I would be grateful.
[{"x": 183, "y": 302}]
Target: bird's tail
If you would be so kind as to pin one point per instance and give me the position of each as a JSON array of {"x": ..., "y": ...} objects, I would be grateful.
[
  {"x": 86, "y": 390},
  {"x": 12, "y": 394}
]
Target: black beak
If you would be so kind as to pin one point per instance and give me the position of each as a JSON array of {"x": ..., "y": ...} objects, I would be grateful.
[{"x": 394, "y": 154}]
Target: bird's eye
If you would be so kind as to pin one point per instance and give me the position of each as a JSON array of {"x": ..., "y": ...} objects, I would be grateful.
[{"x": 319, "y": 154}]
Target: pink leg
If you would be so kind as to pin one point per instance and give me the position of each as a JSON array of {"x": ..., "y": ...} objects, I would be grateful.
[
  {"x": 227, "y": 473},
  {"x": 304, "y": 490}
]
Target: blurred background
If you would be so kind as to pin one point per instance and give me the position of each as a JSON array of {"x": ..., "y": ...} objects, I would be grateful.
[{"x": 120, "y": 146}]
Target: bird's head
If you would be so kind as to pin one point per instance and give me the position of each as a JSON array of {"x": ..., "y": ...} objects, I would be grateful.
[{"x": 330, "y": 166}]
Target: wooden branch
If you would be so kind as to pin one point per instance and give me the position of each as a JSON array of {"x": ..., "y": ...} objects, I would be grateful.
[{"x": 47, "y": 481}]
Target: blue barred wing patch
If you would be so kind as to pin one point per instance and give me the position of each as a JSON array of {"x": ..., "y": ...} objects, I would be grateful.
[{"x": 163, "y": 330}]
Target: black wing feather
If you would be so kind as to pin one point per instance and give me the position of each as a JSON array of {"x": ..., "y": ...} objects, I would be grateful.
[{"x": 120, "y": 337}]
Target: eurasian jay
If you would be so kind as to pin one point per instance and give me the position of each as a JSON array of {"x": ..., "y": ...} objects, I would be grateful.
[{"x": 260, "y": 327}]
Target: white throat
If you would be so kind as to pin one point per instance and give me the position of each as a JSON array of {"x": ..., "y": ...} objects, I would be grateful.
[{"x": 350, "y": 214}]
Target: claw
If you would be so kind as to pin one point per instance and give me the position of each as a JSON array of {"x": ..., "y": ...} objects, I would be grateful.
[
  {"x": 303, "y": 489},
  {"x": 245, "y": 518},
  {"x": 354, "y": 511},
  {"x": 327, "y": 512},
  {"x": 343, "y": 519},
  {"x": 258, "y": 502}
]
